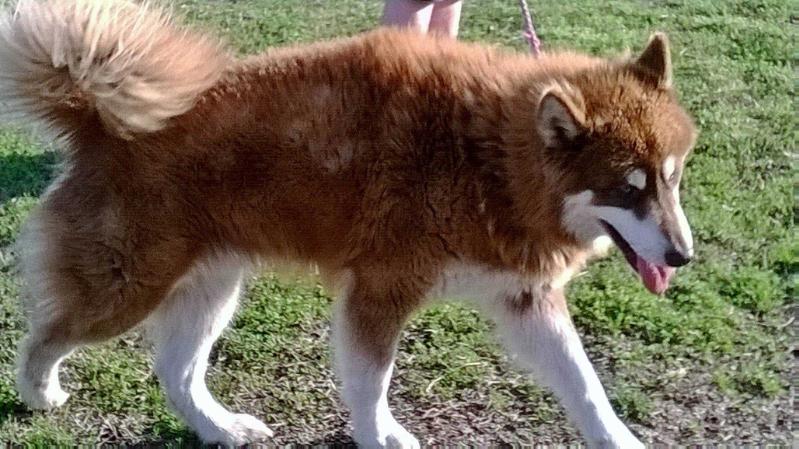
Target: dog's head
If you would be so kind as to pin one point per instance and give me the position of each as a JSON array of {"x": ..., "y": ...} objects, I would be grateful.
[{"x": 622, "y": 139}]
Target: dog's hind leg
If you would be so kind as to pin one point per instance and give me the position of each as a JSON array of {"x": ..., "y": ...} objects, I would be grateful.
[
  {"x": 37, "y": 374},
  {"x": 78, "y": 290},
  {"x": 40, "y": 353},
  {"x": 183, "y": 329},
  {"x": 538, "y": 331}
]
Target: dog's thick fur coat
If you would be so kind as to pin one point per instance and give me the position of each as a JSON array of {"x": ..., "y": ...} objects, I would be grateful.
[{"x": 404, "y": 167}]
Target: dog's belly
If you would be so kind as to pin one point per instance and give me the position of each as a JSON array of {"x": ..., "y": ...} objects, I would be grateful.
[{"x": 473, "y": 283}]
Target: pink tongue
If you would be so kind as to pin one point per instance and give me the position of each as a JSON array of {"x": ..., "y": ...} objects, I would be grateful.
[{"x": 654, "y": 277}]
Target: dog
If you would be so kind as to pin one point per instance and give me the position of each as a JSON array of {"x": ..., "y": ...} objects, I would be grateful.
[{"x": 406, "y": 168}]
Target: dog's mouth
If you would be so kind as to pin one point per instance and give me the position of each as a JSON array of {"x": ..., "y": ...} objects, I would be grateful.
[{"x": 654, "y": 277}]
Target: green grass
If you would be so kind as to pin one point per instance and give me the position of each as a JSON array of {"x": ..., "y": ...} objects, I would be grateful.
[{"x": 707, "y": 362}]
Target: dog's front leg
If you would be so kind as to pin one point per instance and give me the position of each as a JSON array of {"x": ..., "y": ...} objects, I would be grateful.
[
  {"x": 366, "y": 328},
  {"x": 538, "y": 332}
]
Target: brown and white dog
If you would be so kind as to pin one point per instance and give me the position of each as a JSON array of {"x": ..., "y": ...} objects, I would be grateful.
[{"x": 406, "y": 168}]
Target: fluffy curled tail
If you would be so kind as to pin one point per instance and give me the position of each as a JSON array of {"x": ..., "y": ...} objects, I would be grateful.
[{"x": 125, "y": 62}]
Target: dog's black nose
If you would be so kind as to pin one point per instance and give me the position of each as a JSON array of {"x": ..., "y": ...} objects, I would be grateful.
[{"x": 676, "y": 258}]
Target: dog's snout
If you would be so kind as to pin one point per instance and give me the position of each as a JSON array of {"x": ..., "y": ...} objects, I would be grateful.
[{"x": 676, "y": 258}]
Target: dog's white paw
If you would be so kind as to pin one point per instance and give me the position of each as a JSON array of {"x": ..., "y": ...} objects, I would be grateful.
[
  {"x": 402, "y": 439},
  {"x": 617, "y": 444},
  {"x": 41, "y": 397},
  {"x": 391, "y": 435},
  {"x": 242, "y": 429}
]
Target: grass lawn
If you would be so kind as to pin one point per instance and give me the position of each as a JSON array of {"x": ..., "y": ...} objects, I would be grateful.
[{"x": 709, "y": 362}]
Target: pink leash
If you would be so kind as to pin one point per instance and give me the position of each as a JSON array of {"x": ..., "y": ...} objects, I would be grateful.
[{"x": 528, "y": 30}]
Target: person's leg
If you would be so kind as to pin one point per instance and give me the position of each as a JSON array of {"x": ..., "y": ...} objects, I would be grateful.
[
  {"x": 446, "y": 18},
  {"x": 413, "y": 14}
]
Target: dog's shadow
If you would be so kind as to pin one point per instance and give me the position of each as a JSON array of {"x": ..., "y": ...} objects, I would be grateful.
[
  {"x": 12, "y": 408},
  {"x": 172, "y": 439},
  {"x": 186, "y": 438},
  {"x": 25, "y": 174},
  {"x": 340, "y": 438}
]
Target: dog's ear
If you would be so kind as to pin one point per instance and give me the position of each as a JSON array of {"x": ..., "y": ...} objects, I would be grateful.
[
  {"x": 560, "y": 119},
  {"x": 654, "y": 64}
]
